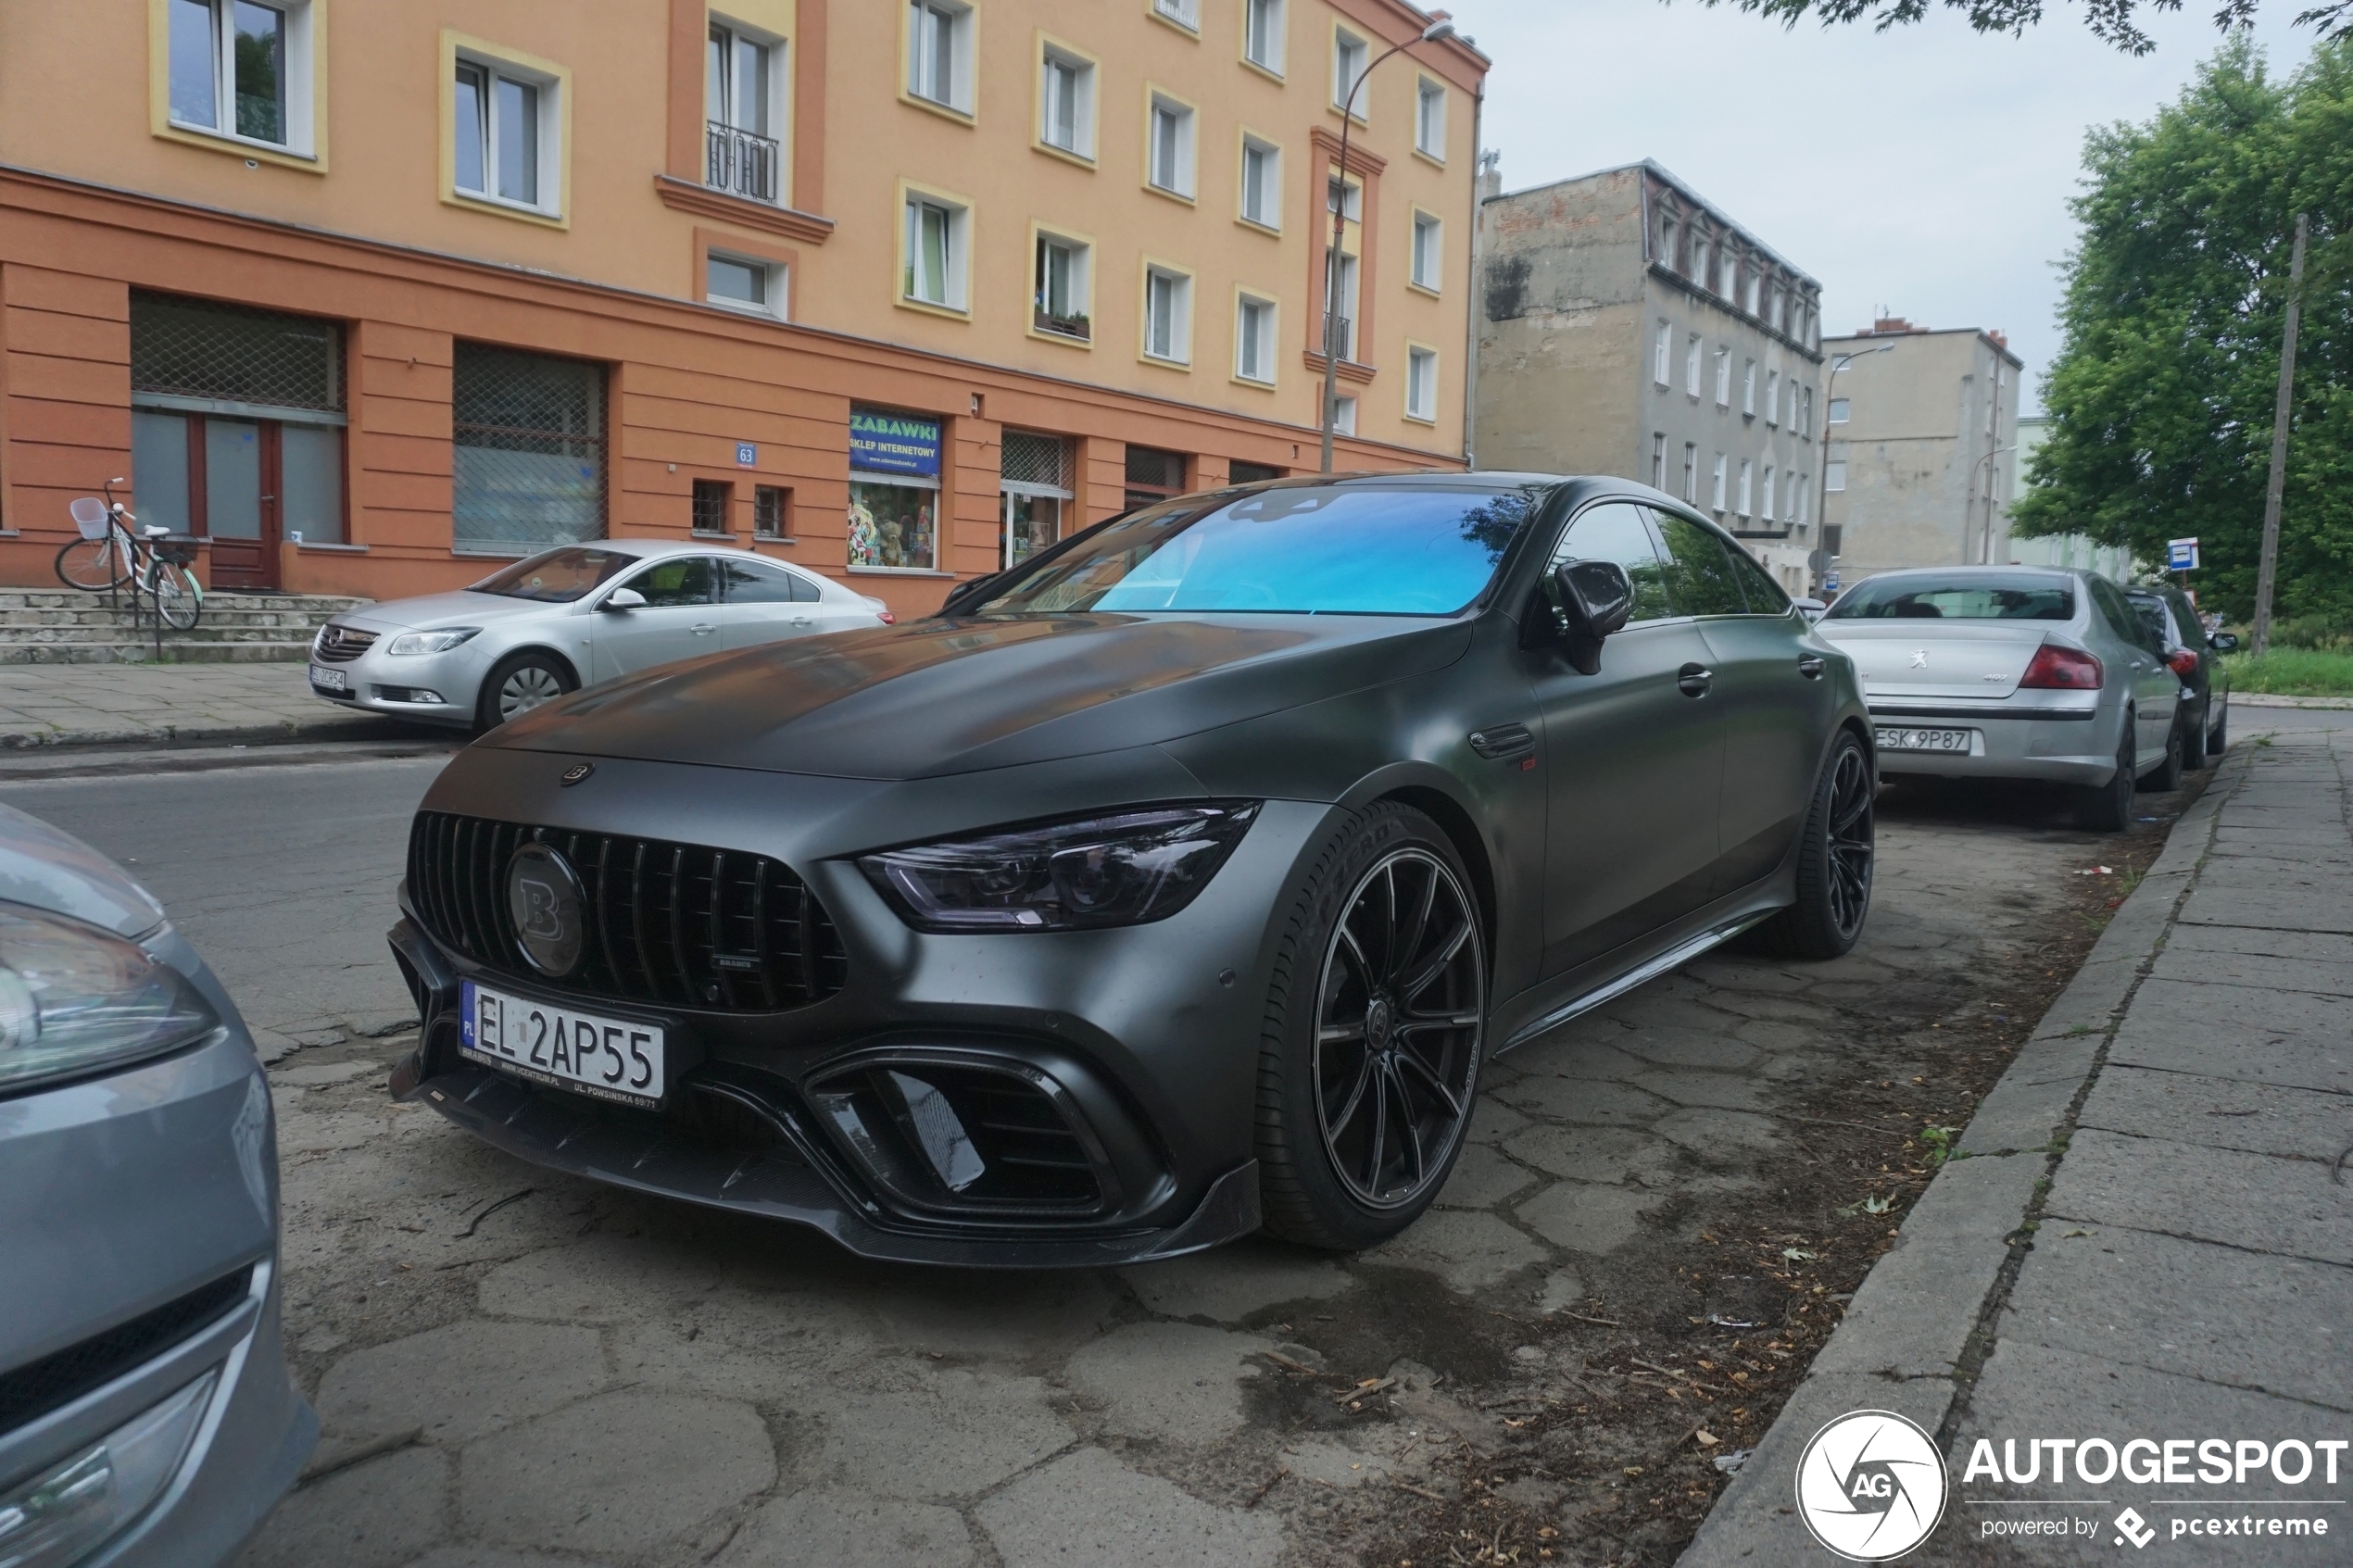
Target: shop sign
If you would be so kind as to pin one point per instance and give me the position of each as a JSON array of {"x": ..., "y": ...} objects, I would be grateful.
[{"x": 886, "y": 443}]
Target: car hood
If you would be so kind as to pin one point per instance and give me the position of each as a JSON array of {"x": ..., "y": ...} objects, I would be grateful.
[
  {"x": 54, "y": 870},
  {"x": 957, "y": 696},
  {"x": 460, "y": 609}
]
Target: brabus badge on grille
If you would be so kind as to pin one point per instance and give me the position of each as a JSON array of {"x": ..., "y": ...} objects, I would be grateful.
[
  {"x": 544, "y": 899},
  {"x": 576, "y": 772}
]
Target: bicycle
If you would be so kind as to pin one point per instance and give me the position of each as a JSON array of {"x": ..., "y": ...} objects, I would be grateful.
[{"x": 109, "y": 555}]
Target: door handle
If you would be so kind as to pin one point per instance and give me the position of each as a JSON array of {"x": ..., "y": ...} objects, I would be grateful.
[
  {"x": 802, "y": 620},
  {"x": 1811, "y": 666},
  {"x": 1693, "y": 680},
  {"x": 703, "y": 628}
]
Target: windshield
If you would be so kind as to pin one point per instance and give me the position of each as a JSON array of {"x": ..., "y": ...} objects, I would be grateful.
[
  {"x": 557, "y": 577},
  {"x": 1336, "y": 549},
  {"x": 1961, "y": 596}
]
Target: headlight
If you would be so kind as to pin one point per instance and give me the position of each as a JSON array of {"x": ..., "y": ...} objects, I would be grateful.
[
  {"x": 1122, "y": 869},
  {"x": 75, "y": 1000},
  {"x": 431, "y": 642},
  {"x": 60, "y": 1516}
]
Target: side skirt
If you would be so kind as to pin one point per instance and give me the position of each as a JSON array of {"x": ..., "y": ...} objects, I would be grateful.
[{"x": 1641, "y": 975}]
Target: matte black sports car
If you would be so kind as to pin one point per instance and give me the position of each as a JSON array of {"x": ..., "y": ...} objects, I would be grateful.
[{"x": 1175, "y": 882}]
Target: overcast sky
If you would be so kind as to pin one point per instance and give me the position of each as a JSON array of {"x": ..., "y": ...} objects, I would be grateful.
[{"x": 1925, "y": 169}]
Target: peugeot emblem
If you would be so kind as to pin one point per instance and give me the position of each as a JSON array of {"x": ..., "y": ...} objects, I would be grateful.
[
  {"x": 544, "y": 899},
  {"x": 576, "y": 772},
  {"x": 1920, "y": 658}
]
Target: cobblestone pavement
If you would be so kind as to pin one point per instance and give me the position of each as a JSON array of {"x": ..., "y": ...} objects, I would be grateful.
[{"x": 514, "y": 1367}]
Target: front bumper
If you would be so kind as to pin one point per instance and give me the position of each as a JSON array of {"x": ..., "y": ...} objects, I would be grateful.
[
  {"x": 381, "y": 683},
  {"x": 2075, "y": 745}
]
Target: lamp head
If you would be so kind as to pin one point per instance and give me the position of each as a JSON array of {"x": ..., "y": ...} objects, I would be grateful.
[{"x": 1438, "y": 29}]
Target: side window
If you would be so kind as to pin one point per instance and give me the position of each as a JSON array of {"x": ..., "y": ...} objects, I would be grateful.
[
  {"x": 1764, "y": 595},
  {"x": 752, "y": 583},
  {"x": 1615, "y": 530},
  {"x": 2126, "y": 626},
  {"x": 683, "y": 580},
  {"x": 1699, "y": 569}
]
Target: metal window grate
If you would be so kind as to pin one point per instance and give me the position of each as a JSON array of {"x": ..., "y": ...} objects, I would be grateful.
[
  {"x": 770, "y": 515},
  {"x": 231, "y": 353},
  {"x": 530, "y": 449},
  {"x": 713, "y": 500},
  {"x": 1149, "y": 468},
  {"x": 1040, "y": 460},
  {"x": 1254, "y": 473},
  {"x": 741, "y": 162}
]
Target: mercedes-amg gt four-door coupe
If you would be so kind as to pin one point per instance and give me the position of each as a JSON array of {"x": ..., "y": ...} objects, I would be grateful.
[{"x": 1175, "y": 882}]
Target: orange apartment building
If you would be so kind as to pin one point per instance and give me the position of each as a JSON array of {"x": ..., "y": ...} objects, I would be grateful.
[{"x": 366, "y": 293}]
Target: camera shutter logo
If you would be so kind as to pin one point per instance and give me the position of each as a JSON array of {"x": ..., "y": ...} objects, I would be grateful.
[
  {"x": 1871, "y": 1485},
  {"x": 544, "y": 899}
]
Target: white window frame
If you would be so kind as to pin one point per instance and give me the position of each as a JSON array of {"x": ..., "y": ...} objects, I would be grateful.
[
  {"x": 1773, "y": 399},
  {"x": 1658, "y": 460},
  {"x": 776, "y": 110},
  {"x": 1691, "y": 472},
  {"x": 548, "y": 89},
  {"x": 1278, "y": 19},
  {"x": 1167, "y": 116},
  {"x": 1834, "y": 476},
  {"x": 1719, "y": 481},
  {"x": 1421, "y": 383},
  {"x": 1250, "y": 307},
  {"x": 1748, "y": 388},
  {"x": 1179, "y": 349},
  {"x": 1723, "y": 376},
  {"x": 1806, "y": 412},
  {"x": 778, "y": 284},
  {"x": 1748, "y": 480},
  {"x": 1082, "y": 285},
  {"x": 1351, "y": 54},
  {"x": 300, "y": 121},
  {"x": 1802, "y": 488},
  {"x": 1052, "y": 56},
  {"x": 1270, "y": 217},
  {"x": 1841, "y": 411},
  {"x": 957, "y": 300},
  {"x": 1691, "y": 369},
  {"x": 1429, "y": 118},
  {"x": 1185, "y": 14},
  {"x": 1427, "y": 256},
  {"x": 1344, "y": 414},
  {"x": 1766, "y": 493},
  {"x": 919, "y": 80},
  {"x": 1661, "y": 352}
]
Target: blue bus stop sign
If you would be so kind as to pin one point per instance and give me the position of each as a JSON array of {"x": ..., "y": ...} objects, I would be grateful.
[{"x": 2181, "y": 555}]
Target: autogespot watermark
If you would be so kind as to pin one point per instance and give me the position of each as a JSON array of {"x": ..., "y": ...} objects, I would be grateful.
[{"x": 1872, "y": 1485}]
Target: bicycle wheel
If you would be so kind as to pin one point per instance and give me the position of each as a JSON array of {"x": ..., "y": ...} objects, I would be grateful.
[
  {"x": 92, "y": 564},
  {"x": 178, "y": 599}
]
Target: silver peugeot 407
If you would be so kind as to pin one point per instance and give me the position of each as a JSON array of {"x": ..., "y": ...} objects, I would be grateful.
[
  {"x": 2015, "y": 673},
  {"x": 568, "y": 618},
  {"x": 146, "y": 1420}
]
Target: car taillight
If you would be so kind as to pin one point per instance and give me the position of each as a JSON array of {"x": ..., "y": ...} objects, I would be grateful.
[
  {"x": 2182, "y": 662},
  {"x": 886, "y": 618},
  {"x": 2055, "y": 668}
]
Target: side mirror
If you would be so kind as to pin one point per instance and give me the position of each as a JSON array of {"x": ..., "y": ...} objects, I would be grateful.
[
  {"x": 2223, "y": 642},
  {"x": 1595, "y": 597},
  {"x": 623, "y": 598}
]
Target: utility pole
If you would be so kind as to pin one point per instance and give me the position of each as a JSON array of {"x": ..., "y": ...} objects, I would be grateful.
[{"x": 2267, "y": 573}]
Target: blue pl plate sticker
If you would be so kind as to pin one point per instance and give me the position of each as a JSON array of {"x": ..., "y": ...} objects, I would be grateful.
[{"x": 466, "y": 1010}]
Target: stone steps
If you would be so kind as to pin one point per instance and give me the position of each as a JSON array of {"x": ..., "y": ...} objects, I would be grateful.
[{"x": 62, "y": 626}]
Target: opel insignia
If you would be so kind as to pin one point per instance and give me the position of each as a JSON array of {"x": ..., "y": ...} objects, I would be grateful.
[{"x": 1176, "y": 882}]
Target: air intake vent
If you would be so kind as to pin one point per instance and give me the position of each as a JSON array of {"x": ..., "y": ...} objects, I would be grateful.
[
  {"x": 672, "y": 924},
  {"x": 964, "y": 1137}
]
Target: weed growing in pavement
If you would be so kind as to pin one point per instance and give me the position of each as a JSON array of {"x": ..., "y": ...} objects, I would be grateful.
[{"x": 1940, "y": 1144}]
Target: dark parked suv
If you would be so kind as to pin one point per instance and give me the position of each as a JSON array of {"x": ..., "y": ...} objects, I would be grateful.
[
  {"x": 2205, "y": 685},
  {"x": 1177, "y": 881}
]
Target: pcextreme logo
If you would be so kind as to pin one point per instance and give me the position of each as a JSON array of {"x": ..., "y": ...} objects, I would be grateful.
[{"x": 1871, "y": 1485}]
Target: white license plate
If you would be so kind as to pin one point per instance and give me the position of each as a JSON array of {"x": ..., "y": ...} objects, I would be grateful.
[
  {"x": 328, "y": 680},
  {"x": 1924, "y": 740},
  {"x": 609, "y": 1057}
]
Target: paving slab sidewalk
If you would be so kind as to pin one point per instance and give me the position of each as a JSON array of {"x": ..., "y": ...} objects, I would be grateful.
[
  {"x": 2148, "y": 1232},
  {"x": 43, "y": 705}
]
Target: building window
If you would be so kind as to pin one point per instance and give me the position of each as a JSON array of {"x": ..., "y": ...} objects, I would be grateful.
[
  {"x": 1773, "y": 397},
  {"x": 931, "y": 269},
  {"x": 1755, "y": 282},
  {"x": 1691, "y": 471},
  {"x": 529, "y": 455},
  {"x": 1766, "y": 513},
  {"x": 1723, "y": 378},
  {"x": 1792, "y": 403},
  {"x": 1066, "y": 103},
  {"x": 1348, "y": 66},
  {"x": 242, "y": 71},
  {"x": 1421, "y": 383},
  {"x": 1781, "y": 301},
  {"x": 894, "y": 490},
  {"x": 1152, "y": 476},
  {"x": 1427, "y": 250},
  {"x": 1658, "y": 460},
  {"x": 1345, "y": 414},
  {"x": 1717, "y": 484},
  {"x": 1800, "y": 497},
  {"x": 1839, "y": 410},
  {"x": 1062, "y": 287},
  {"x": 1691, "y": 366},
  {"x": 1171, "y": 166},
  {"x": 1806, "y": 412},
  {"x": 1748, "y": 386},
  {"x": 744, "y": 284},
  {"x": 1033, "y": 488},
  {"x": 939, "y": 53},
  {"x": 1340, "y": 336},
  {"x": 1263, "y": 34},
  {"x": 1833, "y": 476},
  {"x": 1168, "y": 316},
  {"x": 1184, "y": 13},
  {"x": 1741, "y": 500},
  {"x": 771, "y": 512},
  {"x": 1703, "y": 250},
  {"x": 1660, "y": 350},
  {"x": 714, "y": 498},
  {"x": 1262, "y": 183},
  {"x": 1255, "y": 340},
  {"x": 1669, "y": 233},
  {"x": 1430, "y": 118},
  {"x": 743, "y": 80}
]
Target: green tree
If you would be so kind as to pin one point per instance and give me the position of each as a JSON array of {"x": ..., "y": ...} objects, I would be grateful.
[
  {"x": 2108, "y": 19},
  {"x": 2161, "y": 397}
]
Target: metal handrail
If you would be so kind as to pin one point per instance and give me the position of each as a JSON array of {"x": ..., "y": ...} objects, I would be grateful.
[{"x": 741, "y": 162}]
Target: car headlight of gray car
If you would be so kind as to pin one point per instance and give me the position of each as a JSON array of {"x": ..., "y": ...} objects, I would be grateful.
[
  {"x": 1139, "y": 865},
  {"x": 412, "y": 643},
  {"x": 75, "y": 1000}
]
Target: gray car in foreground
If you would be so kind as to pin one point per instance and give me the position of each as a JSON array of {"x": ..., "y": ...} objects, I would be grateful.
[
  {"x": 2014, "y": 672},
  {"x": 146, "y": 1414}
]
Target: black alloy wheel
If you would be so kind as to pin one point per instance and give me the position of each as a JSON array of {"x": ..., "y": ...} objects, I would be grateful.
[
  {"x": 1834, "y": 862},
  {"x": 519, "y": 683},
  {"x": 2106, "y": 807},
  {"x": 2167, "y": 775},
  {"x": 1368, "y": 1080},
  {"x": 2193, "y": 737}
]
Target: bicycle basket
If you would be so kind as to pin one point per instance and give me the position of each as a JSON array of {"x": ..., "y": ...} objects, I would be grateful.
[
  {"x": 180, "y": 549},
  {"x": 90, "y": 515}
]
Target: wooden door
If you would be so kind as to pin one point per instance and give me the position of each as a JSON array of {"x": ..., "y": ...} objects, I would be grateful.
[{"x": 234, "y": 495}]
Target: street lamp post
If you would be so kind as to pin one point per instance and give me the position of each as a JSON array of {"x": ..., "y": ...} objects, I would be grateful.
[
  {"x": 1429, "y": 34},
  {"x": 1829, "y": 384}
]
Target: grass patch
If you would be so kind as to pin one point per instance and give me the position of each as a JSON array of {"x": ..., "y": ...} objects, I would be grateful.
[{"x": 2292, "y": 672}]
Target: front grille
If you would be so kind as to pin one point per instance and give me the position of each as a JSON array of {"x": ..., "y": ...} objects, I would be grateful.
[
  {"x": 341, "y": 645},
  {"x": 63, "y": 1377},
  {"x": 672, "y": 924}
]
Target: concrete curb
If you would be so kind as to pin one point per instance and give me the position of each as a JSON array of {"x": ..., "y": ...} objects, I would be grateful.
[
  {"x": 2264, "y": 699},
  {"x": 1909, "y": 1332},
  {"x": 335, "y": 726}
]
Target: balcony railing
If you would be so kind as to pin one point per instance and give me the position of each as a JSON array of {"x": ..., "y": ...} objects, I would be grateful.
[
  {"x": 742, "y": 163},
  {"x": 1339, "y": 336}
]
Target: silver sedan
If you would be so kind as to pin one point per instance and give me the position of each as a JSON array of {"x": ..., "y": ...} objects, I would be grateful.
[
  {"x": 568, "y": 618},
  {"x": 2016, "y": 673}
]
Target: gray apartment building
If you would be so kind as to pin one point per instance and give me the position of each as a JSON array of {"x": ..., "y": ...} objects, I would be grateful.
[
  {"x": 1630, "y": 327},
  {"x": 1922, "y": 426}
]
